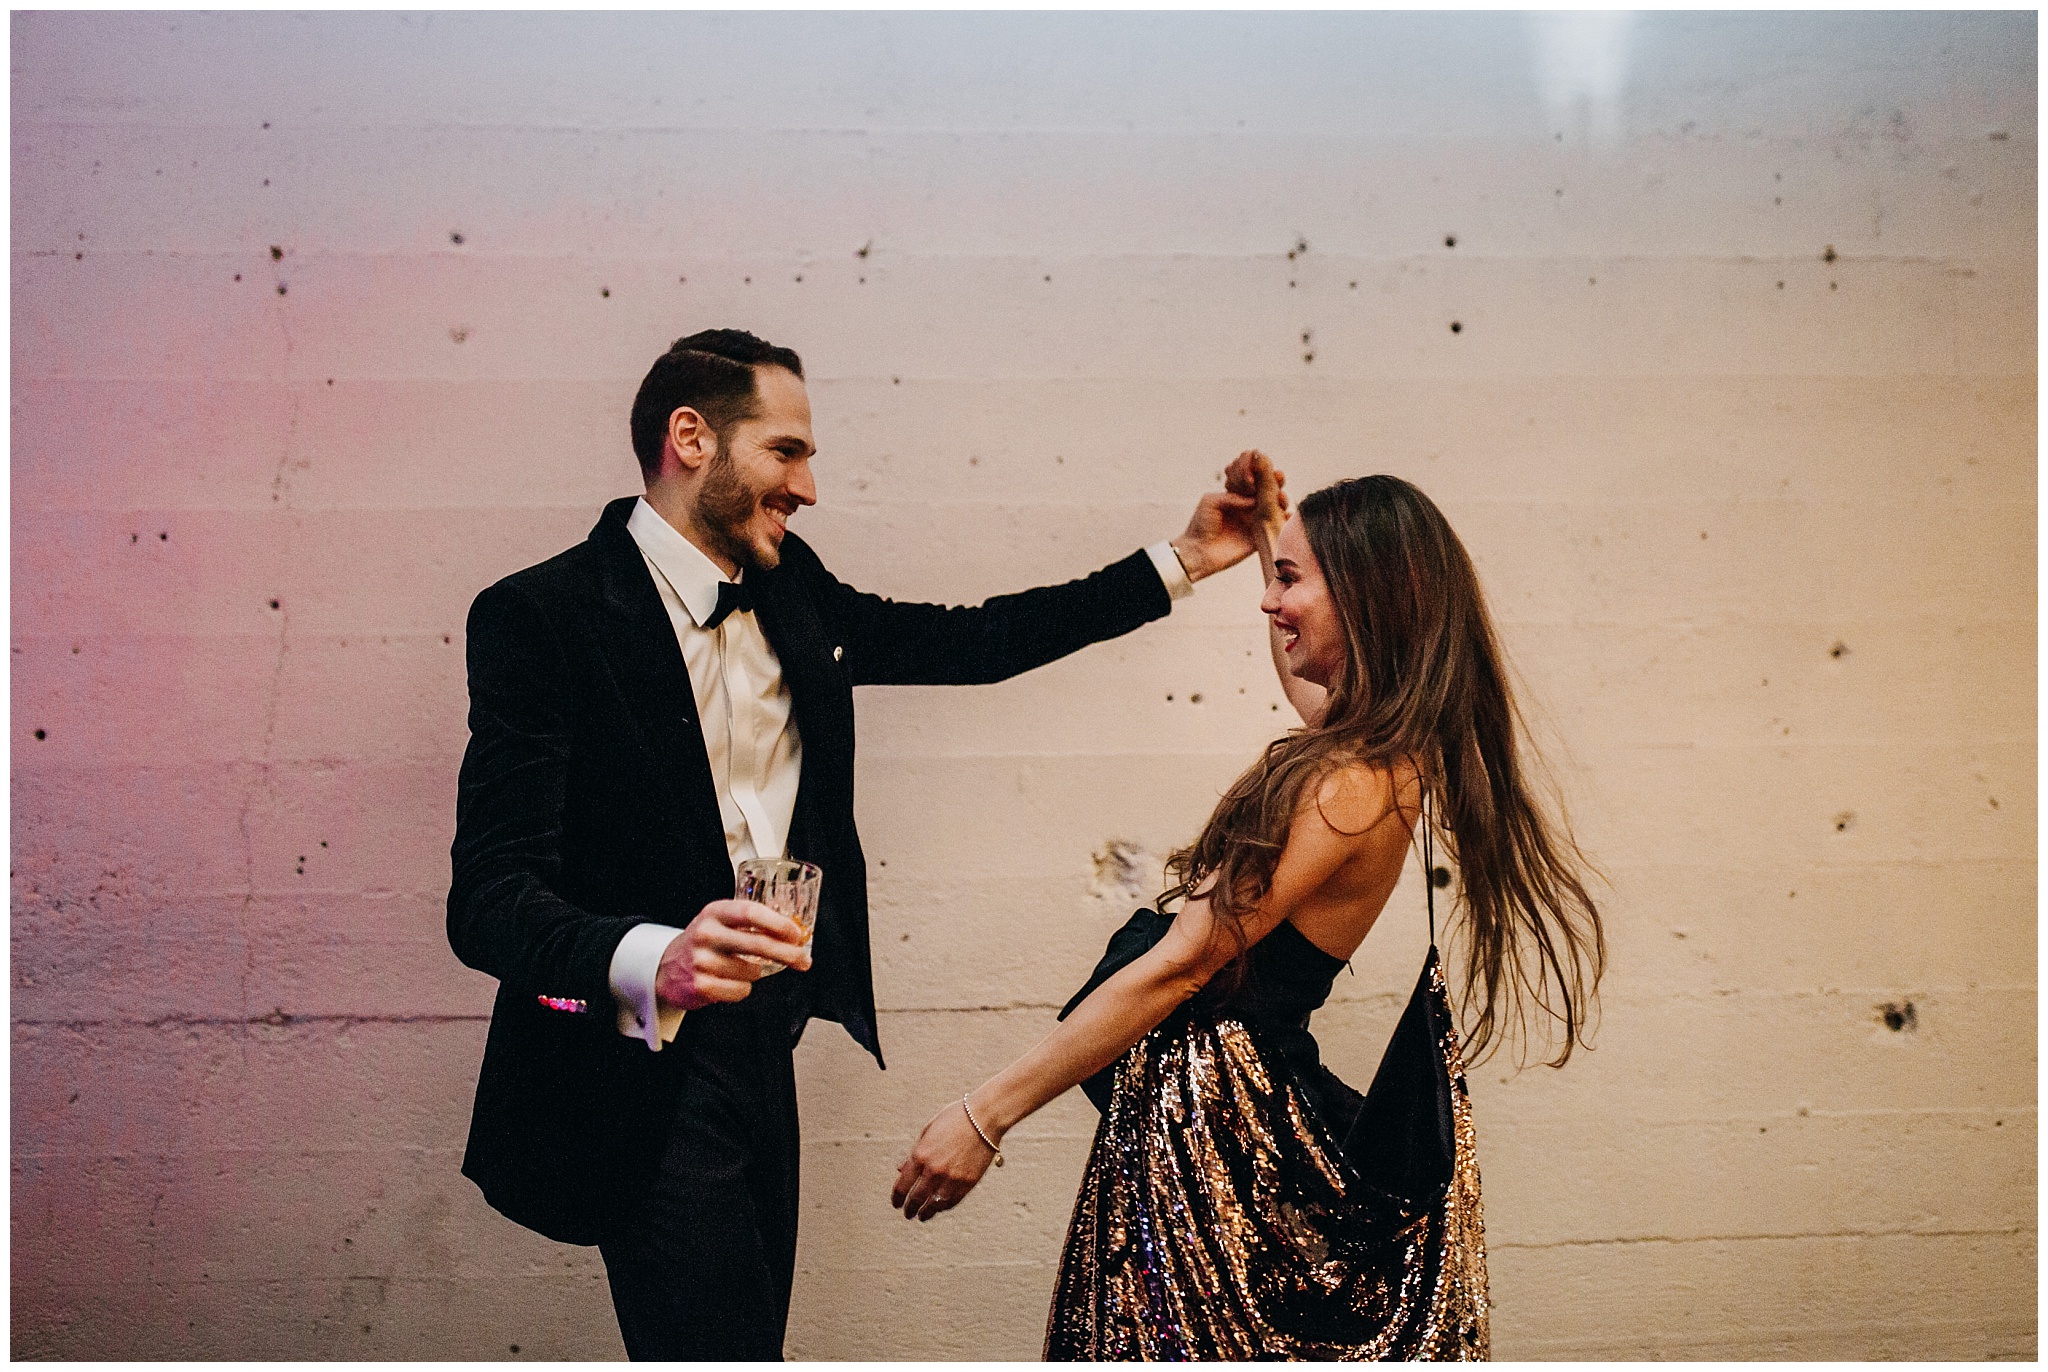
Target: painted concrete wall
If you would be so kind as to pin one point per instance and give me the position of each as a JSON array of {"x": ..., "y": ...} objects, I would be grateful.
[{"x": 1715, "y": 337}]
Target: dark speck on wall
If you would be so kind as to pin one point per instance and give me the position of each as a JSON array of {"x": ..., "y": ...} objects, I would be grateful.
[
  {"x": 1450, "y": 240},
  {"x": 1830, "y": 254},
  {"x": 605, "y": 291},
  {"x": 40, "y": 735},
  {"x": 1456, "y": 327},
  {"x": 276, "y": 253},
  {"x": 455, "y": 238}
]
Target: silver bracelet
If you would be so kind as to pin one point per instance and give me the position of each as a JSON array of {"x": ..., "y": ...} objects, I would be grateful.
[{"x": 976, "y": 1127}]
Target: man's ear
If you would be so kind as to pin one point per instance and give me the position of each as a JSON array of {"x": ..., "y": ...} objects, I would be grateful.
[{"x": 691, "y": 439}]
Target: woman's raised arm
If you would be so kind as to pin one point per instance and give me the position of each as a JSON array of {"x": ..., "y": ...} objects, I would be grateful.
[{"x": 1254, "y": 474}]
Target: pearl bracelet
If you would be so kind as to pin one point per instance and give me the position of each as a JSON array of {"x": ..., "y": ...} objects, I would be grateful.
[{"x": 975, "y": 1125}]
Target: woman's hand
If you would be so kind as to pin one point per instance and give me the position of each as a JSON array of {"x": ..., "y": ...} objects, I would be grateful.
[{"x": 947, "y": 1160}]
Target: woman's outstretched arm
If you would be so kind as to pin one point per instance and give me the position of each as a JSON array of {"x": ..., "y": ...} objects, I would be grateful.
[{"x": 950, "y": 1155}]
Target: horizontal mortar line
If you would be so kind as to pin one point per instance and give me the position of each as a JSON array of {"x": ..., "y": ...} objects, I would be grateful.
[
  {"x": 1381, "y": 999},
  {"x": 1768, "y": 1344},
  {"x": 1331, "y": 381},
  {"x": 66, "y": 1285},
  {"x": 1993, "y": 259},
  {"x": 1682, "y": 504},
  {"x": 61, "y": 117},
  {"x": 1772, "y": 1238},
  {"x": 276, "y": 1018},
  {"x": 1708, "y": 997},
  {"x": 414, "y": 1151},
  {"x": 1903, "y": 1114}
]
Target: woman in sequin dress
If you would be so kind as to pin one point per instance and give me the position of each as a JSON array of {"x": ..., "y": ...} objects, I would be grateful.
[{"x": 1240, "y": 1200}]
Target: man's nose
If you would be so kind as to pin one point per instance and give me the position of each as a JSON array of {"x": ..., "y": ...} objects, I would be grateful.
[{"x": 799, "y": 484}]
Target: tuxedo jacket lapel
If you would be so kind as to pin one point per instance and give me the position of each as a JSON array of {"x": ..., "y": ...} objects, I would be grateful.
[
  {"x": 819, "y": 697},
  {"x": 647, "y": 665}
]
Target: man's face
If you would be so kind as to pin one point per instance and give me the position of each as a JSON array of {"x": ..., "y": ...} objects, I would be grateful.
[{"x": 762, "y": 473}]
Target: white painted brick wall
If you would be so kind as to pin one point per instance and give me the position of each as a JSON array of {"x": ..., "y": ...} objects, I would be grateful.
[{"x": 1048, "y": 273}]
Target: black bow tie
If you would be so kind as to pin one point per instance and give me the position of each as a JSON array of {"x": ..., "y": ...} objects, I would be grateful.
[{"x": 732, "y": 596}]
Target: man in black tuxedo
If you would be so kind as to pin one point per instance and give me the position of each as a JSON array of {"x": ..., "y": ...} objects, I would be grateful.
[{"x": 647, "y": 709}]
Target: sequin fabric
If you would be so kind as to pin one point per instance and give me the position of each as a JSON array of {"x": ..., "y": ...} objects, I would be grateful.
[{"x": 1219, "y": 1219}]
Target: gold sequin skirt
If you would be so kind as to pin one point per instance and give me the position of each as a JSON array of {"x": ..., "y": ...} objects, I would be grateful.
[{"x": 1219, "y": 1219}]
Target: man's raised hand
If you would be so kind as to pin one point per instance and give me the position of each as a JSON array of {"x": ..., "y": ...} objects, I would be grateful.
[
  {"x": 702, "y": 965},
  {"x": 1254, "y": 474},
  {"x": 1224, "y": 528}
]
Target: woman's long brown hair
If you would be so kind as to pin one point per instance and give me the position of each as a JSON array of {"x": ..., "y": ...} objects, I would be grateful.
[{"x": 1423, "y": 680}]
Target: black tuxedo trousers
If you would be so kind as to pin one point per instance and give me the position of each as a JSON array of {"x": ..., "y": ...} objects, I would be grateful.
[
  {"x": 585, "y": 806},
  {"x": 700, "y": 1263}
]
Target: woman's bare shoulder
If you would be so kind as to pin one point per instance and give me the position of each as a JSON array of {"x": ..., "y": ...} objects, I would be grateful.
[{"x": 1355, "y": 797}]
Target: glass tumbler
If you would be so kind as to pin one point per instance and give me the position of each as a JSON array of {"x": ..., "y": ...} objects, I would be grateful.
[{"x": 786, "y": 886}]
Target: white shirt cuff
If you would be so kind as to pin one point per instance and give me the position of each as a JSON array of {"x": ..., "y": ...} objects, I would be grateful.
[
  {"x": 1175, "y": 576},
  {"x": 634, "y": 963}
]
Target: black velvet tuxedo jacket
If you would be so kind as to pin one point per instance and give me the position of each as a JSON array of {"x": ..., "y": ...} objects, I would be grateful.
[{"x": 586, "y": 806}]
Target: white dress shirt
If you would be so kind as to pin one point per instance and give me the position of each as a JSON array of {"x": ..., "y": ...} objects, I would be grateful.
[{"x": 749, "y": 736}]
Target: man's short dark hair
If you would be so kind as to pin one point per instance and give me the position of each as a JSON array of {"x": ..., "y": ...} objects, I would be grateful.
[{"x": 712, "y": 373}]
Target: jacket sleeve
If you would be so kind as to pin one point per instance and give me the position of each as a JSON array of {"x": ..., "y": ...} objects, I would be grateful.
[
  {"x": 504, "y": 916},
  {"x": 907, "y": 644}
]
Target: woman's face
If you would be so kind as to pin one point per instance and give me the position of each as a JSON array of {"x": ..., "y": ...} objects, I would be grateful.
[{"x": 1299, "y": 601}]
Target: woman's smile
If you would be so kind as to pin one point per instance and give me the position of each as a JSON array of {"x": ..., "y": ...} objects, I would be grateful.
[{"x": 1298, "y": 599}]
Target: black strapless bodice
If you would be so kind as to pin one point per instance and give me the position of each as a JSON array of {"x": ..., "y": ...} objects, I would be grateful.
[{"x": 1286, "y": 980}]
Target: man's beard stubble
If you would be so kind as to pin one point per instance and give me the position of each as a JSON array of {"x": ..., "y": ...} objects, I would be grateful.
[{"x": 724, "y": 505}]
